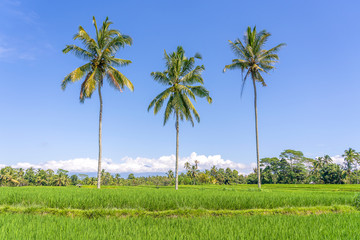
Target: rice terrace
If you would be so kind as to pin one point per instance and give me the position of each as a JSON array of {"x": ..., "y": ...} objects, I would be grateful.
[{"x": 101, "y": 135}]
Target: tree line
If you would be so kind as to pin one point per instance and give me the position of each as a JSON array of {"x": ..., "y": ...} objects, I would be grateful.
[{"x": 291, "y": 167}]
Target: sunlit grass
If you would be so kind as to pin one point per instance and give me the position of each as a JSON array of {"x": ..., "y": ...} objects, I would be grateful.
[
  {"x": 166, "y": 198},
  {"x": 327, "y": 226}
]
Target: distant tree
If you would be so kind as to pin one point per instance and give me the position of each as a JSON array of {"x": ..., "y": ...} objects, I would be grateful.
[
  {"x": 30, "y": 175},
  {"x": 100, "y": 52},
  {"x": 327, "y": 159},
  {"x": 131, "y": 176},
  {"x": 270, "y": 171},
  {"x": 170, "y": 174},
  {"x": 350, "y": 158},
  {"x": 41, "y": 177},
  {"x": 192, "y": 170},
  {"x": 317, "y": 165},
  {"x": 117, "y": 178},
  {"x": 179, "y": 77},
  {"x": 254, "y": 60},
  {"x": 82, "y": 176},
  {"x": 296, "y": 160},
  {"x": 8, "y": 176},
  {"x": 61, "y": 178},
  {"x": 74, "y": 179},
  {"x": 331, "y": 174}
]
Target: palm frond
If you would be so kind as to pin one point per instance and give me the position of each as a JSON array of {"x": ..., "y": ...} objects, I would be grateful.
[
  {"x": 237, "y": 49},
  {"x": 117, "y": 62},
  {"x": 193, "y": 76},
  {"x": 158, "y": 101},
  {"x": 169, "y": 109},
  {"x": 78, "y": 51},
  {"x": 198, "y": 56},
  {"x": 89, "y": 43},
  {"x": 121, "y": 79},
  {"x": 200, "y": 91},
  {"x": 76, "y": 75},
  {"x": 161, "y": 77},
  {"x": 184, "y": 90},
  {"x": 88, "y": 86}
]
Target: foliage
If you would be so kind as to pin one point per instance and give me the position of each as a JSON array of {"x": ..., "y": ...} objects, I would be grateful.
[
  {"x": 290, "y": 167},
  {"x": 179, "y": 77},
  {"x": 100, "y": 53}
]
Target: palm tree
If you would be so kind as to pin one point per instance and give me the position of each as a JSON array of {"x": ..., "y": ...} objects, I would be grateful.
[
  {"x": 327, "y": 160},
  {"x": 100, "y": 54},
  {"x": 350, "y": 157},
  {"x": 179, "y": 76},
  {"x": 192, "y": 170},
  {"x": 254, "y": 60}
]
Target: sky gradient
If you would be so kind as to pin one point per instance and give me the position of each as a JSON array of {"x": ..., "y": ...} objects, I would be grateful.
[{"x": 311, "y": 102}]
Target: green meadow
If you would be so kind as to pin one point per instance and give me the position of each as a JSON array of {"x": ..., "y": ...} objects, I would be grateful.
[
  {"x": 326, "y": 226},
  {"x": 192, "y": 212}
]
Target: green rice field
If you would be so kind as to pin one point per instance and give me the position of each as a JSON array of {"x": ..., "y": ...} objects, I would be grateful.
[{"x": 192, "y": 212}]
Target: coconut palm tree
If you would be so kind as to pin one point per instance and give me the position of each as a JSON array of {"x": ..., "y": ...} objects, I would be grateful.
[
  {"x": 100, "y": 53},
  {"x": 350, "y": 157},
  {"x": 179, "y": 77},
  {"x": 327, "y": 160},
  {"x": 253, "y": 60}
]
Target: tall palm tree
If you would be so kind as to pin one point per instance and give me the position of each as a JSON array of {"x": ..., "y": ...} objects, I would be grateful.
[
  {"x": 350, "y": 157},
  {"x": 254, "y": 60},
  {"x": 100, "y": 54},
  {"x": 179, "y": 77}
]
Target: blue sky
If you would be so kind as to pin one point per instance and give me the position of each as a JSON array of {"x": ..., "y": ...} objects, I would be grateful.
[{"x": 311, "y": 102}]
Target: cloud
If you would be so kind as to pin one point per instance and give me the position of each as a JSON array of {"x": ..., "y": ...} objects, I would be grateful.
[
  {"x": 4, "y": 50},
  {"x": 137, "y": 165},
  {"x": 338, "y": 159},
  {"x": 15, "y": 11},
  {"x": 33, "y": 40}
]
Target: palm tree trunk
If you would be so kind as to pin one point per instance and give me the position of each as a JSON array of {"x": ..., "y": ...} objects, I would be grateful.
[
  {"x": 177, "y": 153},
  {"x": 100, "y": 122},
  {"x": 349, "y": 171},
  {"x": 257, "y": 137}
]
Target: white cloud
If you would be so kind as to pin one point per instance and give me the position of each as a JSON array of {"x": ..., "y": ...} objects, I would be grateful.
[
  {"x": 137, "y": 165},
  {"x": 14, "y": 47},
  {"x": 338, "y": 159},
  {"x": 5, "y": 51}
]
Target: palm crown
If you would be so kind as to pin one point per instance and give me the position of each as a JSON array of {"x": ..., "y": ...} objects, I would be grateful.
[
  {"x": 252, "y": 58},
  {"x": 100, "y": 52},
  {"x": 351, "y": 156},
  {"x": 180, "y": 76}
]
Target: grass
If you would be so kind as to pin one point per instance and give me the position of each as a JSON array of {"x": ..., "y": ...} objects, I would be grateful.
[
  {"x": 193, "y": 212},
  {"x": 326, "y": 226},
  {"x": 126, "y": 213},
  {"x": 165, "y": 198}
]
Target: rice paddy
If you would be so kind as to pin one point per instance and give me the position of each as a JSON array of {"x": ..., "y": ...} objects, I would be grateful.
[{"x": 193, "y": 212}]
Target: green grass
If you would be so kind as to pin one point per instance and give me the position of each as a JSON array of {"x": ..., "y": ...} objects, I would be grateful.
[
  {"x": 193, "y": 212},
  {"x": 126, "y": 213},
  {"x": 166, "y": 198},
  {"x": 326, "y": 226}
]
